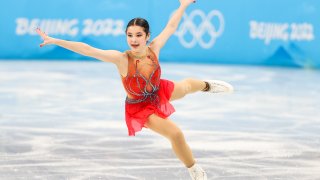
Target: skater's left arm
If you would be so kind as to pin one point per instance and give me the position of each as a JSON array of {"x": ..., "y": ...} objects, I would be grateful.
[{"x": 171, "y": 26}]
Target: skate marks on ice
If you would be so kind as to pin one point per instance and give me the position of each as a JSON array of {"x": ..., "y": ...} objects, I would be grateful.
[{"x": 65, "y": 120}]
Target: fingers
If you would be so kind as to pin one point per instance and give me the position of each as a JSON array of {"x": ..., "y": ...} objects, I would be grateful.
[
  {"x": 38, "y": 31},
  {"x": 188, "y": 2},
  {"x": 42, "y": 34}
]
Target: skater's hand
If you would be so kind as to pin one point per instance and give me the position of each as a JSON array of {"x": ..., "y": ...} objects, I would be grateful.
[
  {"x": 186, "y": 2},
  {"x": 46, "y": 39}
]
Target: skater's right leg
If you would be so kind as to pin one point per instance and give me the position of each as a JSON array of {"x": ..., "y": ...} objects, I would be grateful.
[
  {"x": 172, "y": 132},
  {"x": 168, "y": 129}
]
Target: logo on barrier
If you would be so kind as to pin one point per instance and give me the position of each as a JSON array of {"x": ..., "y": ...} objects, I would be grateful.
[
  {"x": 269, "y": 31},
  {"x": 199, "y": 32}
]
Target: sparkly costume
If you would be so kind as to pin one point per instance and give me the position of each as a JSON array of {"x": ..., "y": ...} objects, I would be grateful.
[{"x": 147, "y": 93}]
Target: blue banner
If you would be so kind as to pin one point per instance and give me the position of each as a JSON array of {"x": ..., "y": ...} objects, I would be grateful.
[{"x": 231, "y": 32}]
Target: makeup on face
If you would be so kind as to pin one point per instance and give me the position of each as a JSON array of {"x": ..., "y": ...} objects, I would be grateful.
[{"x": 136, "y": 38}]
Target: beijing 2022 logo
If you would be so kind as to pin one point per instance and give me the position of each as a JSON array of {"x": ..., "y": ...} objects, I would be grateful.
[{"x": 205, "y": 34}]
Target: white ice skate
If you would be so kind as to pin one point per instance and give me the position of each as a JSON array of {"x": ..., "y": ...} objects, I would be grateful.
[
  {"x": 197, "y": 173},
  {"x": 217, "y": 86}
]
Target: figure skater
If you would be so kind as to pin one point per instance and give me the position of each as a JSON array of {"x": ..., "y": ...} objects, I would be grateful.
[{"x": 148, "y": 96}]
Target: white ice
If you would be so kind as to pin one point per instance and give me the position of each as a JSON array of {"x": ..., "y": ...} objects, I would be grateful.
[{"x": 64, "y": 120}]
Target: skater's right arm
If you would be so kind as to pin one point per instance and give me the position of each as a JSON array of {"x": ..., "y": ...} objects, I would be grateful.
[{"x": 112, "y": 56}]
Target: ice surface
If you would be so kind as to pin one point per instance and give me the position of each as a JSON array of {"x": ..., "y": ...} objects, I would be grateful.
[{"x": 65, "y": 121}]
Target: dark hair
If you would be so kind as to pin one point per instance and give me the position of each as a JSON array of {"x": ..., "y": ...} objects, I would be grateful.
[{"x": 139, "y": 22}]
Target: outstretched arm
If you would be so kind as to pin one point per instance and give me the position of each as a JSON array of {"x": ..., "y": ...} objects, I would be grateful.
[
  {"x": 171, "y": 27},
  {"x": 82, "y": 48}
]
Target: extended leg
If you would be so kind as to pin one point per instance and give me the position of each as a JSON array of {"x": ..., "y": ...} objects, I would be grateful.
[
  {"x": 185, "y": 87},
  {"x": 191, "y": 85}
]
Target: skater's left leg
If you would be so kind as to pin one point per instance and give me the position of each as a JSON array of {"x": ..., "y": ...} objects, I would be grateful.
[
  {"x": 191, "y": 85},
  {"x": 185, "y": 87}
]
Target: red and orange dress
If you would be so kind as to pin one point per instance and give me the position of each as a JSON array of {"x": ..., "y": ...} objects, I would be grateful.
[{"x": 146, "y": 93}]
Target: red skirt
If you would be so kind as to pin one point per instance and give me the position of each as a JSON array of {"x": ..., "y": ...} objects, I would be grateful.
[{"x": 137, "y": 114}]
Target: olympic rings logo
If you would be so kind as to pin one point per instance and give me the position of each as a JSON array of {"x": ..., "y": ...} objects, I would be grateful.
[{"x": 199, "y": 31}]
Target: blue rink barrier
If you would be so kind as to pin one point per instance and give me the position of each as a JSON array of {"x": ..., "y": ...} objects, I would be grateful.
[{"x": 255, "y": 32}]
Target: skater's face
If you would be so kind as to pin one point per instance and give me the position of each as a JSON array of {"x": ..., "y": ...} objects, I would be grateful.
[{"x": 136, "y": 38}]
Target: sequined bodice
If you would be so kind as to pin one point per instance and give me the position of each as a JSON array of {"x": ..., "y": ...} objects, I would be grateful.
[{"x": 143, "y": 78}]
